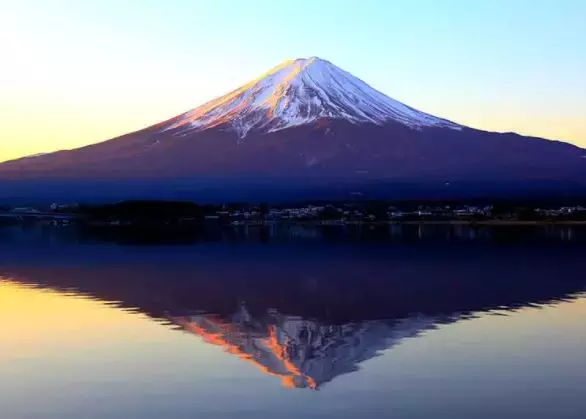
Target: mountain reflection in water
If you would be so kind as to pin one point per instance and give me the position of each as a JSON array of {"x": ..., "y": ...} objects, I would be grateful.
[
  {"x": 304, "y": 353},
  {"x": 305, "y": 310}
]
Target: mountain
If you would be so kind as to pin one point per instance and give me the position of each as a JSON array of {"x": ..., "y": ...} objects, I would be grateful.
[{"x": 305, "y": 129}]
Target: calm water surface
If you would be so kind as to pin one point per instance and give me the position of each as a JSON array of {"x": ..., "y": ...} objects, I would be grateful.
[{"x": 294, "y": 322}]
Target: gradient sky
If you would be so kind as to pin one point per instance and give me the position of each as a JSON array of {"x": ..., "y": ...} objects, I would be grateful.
[{"x": 75, "y": 72}]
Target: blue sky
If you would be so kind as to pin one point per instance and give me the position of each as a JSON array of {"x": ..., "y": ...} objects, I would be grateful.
[{"x": 77, "y": 72}]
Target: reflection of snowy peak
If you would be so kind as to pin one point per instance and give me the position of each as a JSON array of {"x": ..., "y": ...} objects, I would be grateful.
[
  {"x": 299, "y": 92},
  {"x": 305, "y": 354}
]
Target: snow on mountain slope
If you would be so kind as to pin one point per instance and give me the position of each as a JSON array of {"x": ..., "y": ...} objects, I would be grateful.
[
  {"x": 300, "y": 92},
  {"x": 303, "y": 353}
]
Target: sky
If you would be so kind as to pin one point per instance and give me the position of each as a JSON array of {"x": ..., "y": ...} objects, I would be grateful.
[{"x": 76, "y": 72}]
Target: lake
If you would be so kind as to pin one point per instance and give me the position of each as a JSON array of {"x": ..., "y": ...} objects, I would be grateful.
[{"x": 295, "y": 322}]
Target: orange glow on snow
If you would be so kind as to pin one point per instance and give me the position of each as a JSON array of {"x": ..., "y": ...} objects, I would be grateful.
[{"x": 271, "y": 343}]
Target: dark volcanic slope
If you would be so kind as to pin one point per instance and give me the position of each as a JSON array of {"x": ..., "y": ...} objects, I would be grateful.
[{"x": 327, "y": 149}]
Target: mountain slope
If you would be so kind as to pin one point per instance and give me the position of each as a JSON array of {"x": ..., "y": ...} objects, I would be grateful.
[{"x": 307, "y": 123}]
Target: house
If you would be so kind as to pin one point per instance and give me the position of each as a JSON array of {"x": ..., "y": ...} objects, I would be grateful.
[
  {"x": 397, "y": 214},
  {"x": 62, "y": 207}
]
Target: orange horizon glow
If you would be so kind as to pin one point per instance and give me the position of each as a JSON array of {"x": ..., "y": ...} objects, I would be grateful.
[{"x": 36, "y": 310}]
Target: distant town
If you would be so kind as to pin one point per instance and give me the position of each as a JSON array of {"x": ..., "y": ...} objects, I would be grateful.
[{"x": 179, "y": 212}]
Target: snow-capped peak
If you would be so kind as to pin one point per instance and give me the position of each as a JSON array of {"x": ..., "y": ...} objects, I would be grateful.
[{"x": 302, "y": 91}]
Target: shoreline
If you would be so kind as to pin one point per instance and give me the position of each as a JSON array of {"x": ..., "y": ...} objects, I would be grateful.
[{"x": 315, "y": 223}]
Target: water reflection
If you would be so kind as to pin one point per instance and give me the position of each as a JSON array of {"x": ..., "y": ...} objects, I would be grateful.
[
  {"x": 285, "y": 233},
  {"x": 305, "y": 310},
  {"x": 303, "y": 353}
]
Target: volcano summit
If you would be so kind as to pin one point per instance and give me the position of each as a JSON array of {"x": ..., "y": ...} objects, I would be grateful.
[
  {"x": 305, "y": 129},
  {"x": 301, "y": 92}
]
